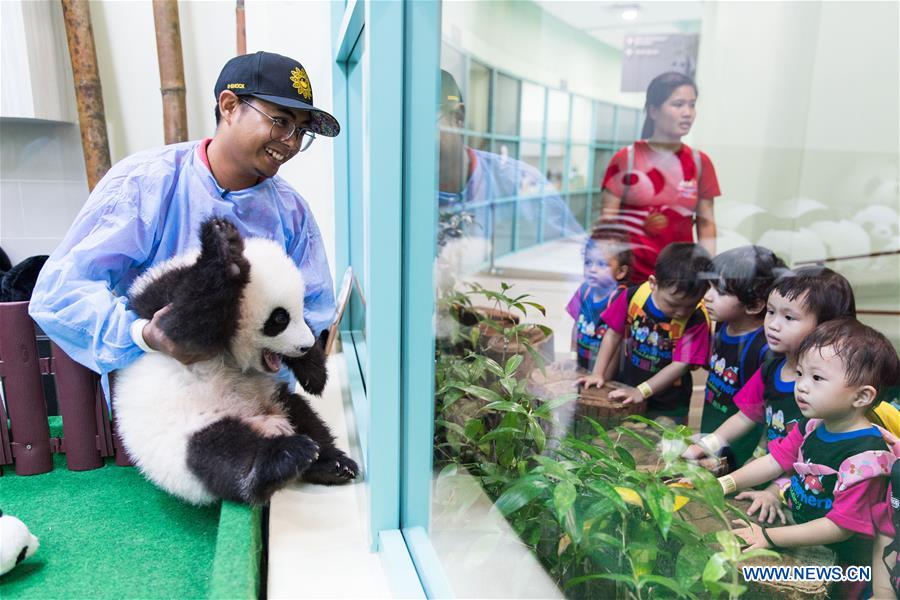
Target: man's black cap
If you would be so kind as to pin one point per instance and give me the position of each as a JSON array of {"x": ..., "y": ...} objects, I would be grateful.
[
  {"x": 276, "y": 79},
  {"x": 451, "y": 97}
]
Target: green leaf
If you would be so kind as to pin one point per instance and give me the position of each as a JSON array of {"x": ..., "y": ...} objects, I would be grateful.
[
  {"x": 537, "y": 306},
  {"x": 661, "y": 502},
  {"x": 637, "y": 437},
  {"x": 730, "y": 544},
  {"x": 451, "y": 396},
  {"x": 494, "y": 367},
  {"x": 627, "y": 580},
  {"x": 474, "y": 428},
  {"x": 537, "y": 434},
  {"x": 513, "y": 363},
  {"x": 499, "y": 433},
  {"x": 601, "y": 433},
  {"x": 715, "y": 568},
  {"x": 760, "y": 553},
  {"x": 520, "y": 494},
  {"x": 448, "y": 471},
  {"x": 689, "y": 566},
  {"x": 455, "y": 428},
  {"x": 504, "y": 406},
  {"x": 607, "y": 491},
  {"x": 609, "y": 540},
  {"x": 626, "y": 457},
  {"x": 563, "y": 498},
  {"x": 483, "y": 393},
  {"x": 665, "y": 582},
  {"x": 550, "y": 405}
]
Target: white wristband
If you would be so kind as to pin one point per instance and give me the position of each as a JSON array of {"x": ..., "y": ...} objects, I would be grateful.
[
  {"x": 712, "y": 444},
  {"x": 137, "y": 335}
]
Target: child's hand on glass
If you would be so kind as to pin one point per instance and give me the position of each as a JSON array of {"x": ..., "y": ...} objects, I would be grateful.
[
  {"x": 591, "y": 380},
  {"x": 627, "y": 395},
  {"x": 751, "y": 533},
  {"x": 766, "y": 502}
]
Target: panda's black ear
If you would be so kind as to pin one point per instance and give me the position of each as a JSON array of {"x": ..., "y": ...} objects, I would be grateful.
[{"x": 310, "y": 369}]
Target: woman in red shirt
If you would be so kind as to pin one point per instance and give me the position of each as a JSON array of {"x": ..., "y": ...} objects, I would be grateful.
[{"x": 657, "y": 188}]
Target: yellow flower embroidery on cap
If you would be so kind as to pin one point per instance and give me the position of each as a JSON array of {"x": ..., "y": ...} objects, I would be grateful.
[{"x": 301, "y": 82}]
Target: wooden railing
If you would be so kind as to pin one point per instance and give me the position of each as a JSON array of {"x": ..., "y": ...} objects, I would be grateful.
[{"x": 25, "y": 439}]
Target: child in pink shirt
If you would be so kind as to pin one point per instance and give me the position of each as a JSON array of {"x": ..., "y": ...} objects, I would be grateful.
[
  {"x": 664, "y": 331},
  {"x": 837, "y": 461}
]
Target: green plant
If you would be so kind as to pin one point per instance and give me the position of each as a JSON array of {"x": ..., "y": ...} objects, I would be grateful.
[{"x": 602, "y": 524}]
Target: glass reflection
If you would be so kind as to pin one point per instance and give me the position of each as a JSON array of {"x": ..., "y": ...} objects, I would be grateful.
[{"x": 638, "y": 249}]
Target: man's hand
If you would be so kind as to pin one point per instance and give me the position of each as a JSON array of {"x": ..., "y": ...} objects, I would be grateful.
[
  {"x": 591, "y": 380},
  {"x": 766, "y": 502},
  {"x": 694, "y": 452},
  {"x": 156, "y": 338},
  {"x": 627, "y": 395}
]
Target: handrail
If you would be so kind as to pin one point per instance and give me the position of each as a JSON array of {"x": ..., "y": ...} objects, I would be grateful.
[{"x": 852, "y": 257}]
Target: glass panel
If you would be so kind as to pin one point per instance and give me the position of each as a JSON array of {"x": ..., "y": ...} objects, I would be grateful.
[
  {"x": 627, "y": 125},
  {"x": 601, "y": 162},
  {"x": 531, "y": 154},
  {"x": 578, "y": 167},
  {"x": 556, "y": 161},
  {"x": 604, "y": 122},
  {"x": 537, "y": 476},
  {"x": 477, "y": 99},
  {"x": 506, "y": 149},
  {"x": 532, "y": 110},
  {"x": 506, "y": 105},
  {"x": 454, "y": 62},
  {"x": 581, "y": 119},
  {"x": 557, "y": 115},
  {"x": 478, "y": 143},
  {"x": 578, "y": 205}
]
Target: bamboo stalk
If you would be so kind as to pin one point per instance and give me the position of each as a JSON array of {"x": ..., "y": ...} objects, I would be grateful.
[
  {"x": 88, "y": 93},
  {"x": 171, "y": 70},
  {"x": 241, "y": 28}
]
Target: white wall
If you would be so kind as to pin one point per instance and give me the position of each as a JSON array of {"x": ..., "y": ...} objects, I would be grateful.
[{"x": 34, "y": 153}]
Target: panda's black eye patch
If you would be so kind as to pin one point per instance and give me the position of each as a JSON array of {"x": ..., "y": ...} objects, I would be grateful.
[{"x": 277, "y": 322}]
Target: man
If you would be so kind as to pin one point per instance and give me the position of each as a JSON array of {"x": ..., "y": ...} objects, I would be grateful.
[
  {"x": 149, "y": 207},
  {"x": 473, "y": 184}
]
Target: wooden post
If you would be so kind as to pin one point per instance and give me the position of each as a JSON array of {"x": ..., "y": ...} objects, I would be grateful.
[
  {"x": 171, "y": 70},
  {"x": 241, "y": 28},
  {"x": 88, "y": 93},
  {"x": 21, "y": 372}
]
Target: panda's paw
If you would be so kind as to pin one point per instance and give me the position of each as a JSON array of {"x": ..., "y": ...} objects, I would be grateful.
[
  {"x": 222, "y": 243},
  {"x": 333, "y": 468}
]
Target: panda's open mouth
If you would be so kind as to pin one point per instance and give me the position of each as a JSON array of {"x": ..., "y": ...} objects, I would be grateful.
[{"x": 271, "y": 360}]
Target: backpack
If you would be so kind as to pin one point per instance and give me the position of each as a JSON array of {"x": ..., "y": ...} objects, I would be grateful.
[{"x": 676, "y": 326}]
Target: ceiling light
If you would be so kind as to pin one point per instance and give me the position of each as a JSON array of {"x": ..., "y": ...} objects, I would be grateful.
[{"x": 629, "y": 14}]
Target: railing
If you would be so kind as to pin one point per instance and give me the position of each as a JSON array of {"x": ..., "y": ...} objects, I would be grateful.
[
  {"x": 833, "y": 259},
  {"x": 26, "y": 442}
]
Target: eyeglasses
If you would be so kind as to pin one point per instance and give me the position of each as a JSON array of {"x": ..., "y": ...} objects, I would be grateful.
[{"x": 283, "y": 129}]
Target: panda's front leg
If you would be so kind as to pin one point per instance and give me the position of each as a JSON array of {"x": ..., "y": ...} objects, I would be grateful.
[
  {"x": 236, "y": 461},
  {"x": 333, "y": 465},
  {"x": 205, "y": 305}
]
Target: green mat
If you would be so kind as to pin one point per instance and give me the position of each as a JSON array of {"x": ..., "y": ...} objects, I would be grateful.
[{"x": 108, "y": 533}]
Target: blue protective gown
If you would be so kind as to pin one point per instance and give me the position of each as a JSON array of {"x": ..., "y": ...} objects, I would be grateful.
[{"x": 148, "y": 208}]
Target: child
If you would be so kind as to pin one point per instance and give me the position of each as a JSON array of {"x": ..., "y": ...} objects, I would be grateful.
[
  {"x": 736, "y": 300},
  {"x": 665, "y": 331},
  {"x": 885, "y": 566},
  {"x": 607, "y": 261},
  {"x": 838, "y": 460},
  {"x": 798, "y": 302}
]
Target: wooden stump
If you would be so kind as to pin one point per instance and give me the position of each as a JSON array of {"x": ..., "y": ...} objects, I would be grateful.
[
  {"x": 501, "y": 349},
  {"x": 595, "y": 403}
]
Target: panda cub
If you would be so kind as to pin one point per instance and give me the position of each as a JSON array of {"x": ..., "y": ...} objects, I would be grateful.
[{"x": 227, "y": 427}]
